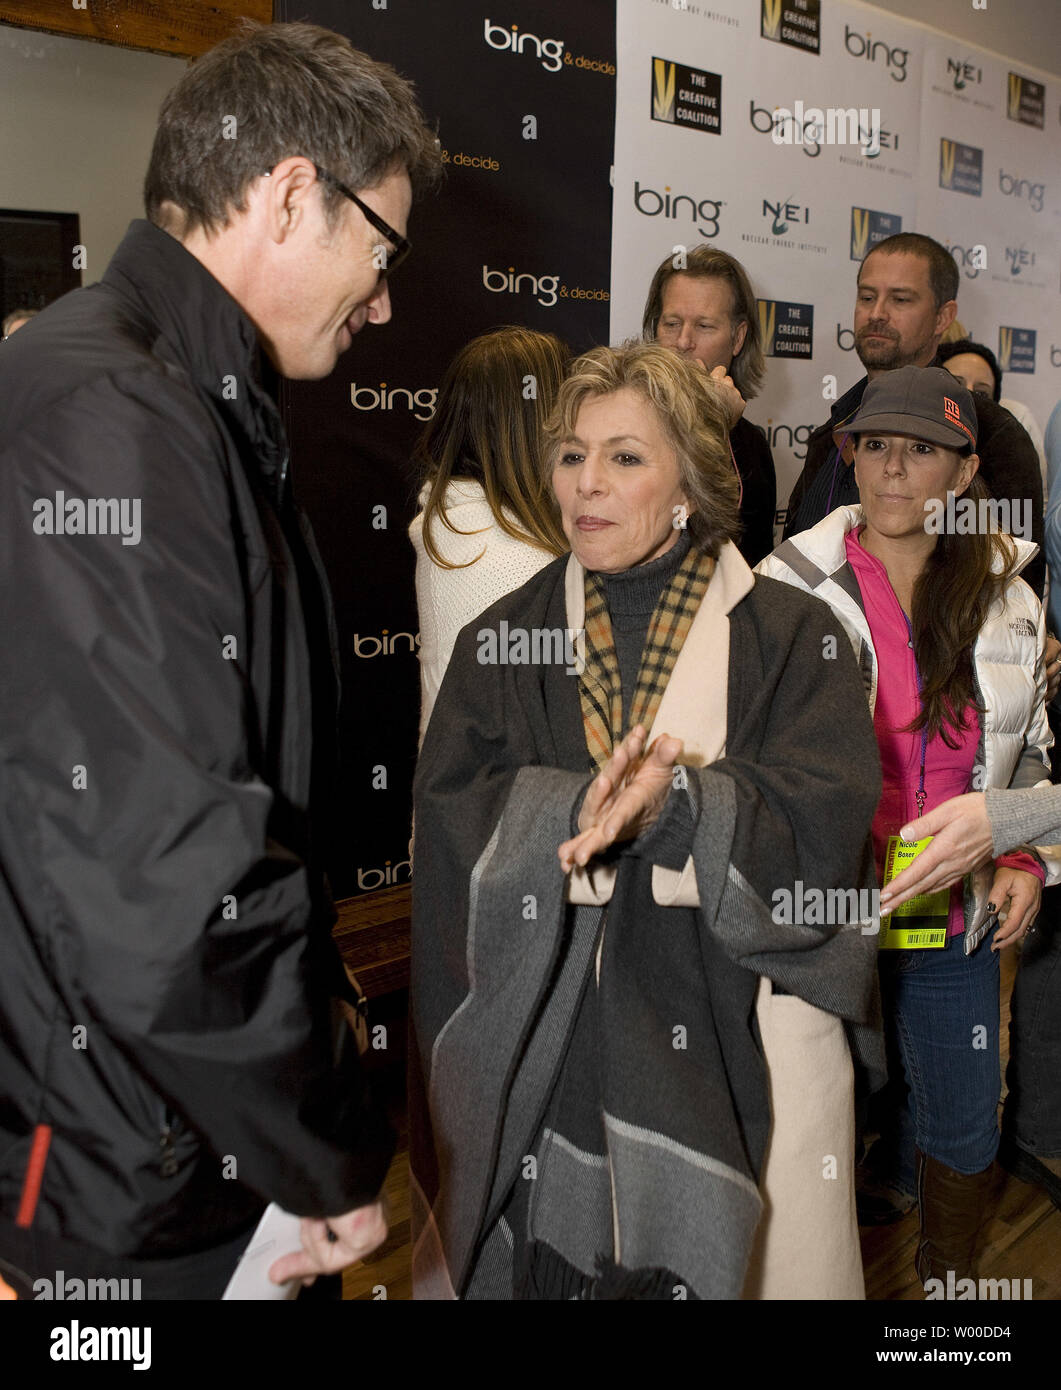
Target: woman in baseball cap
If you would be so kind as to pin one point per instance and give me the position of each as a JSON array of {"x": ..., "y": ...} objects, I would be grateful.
[{"x": 925, "y": 580}]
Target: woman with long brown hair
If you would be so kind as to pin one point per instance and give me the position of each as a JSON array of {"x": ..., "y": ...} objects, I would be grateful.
[
  {"x": 950, "y": 643},
  {"x": 488, "y": 522}
]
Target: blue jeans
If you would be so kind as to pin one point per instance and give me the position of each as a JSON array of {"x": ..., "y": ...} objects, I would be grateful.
[{"x": 941, "y": 1024}]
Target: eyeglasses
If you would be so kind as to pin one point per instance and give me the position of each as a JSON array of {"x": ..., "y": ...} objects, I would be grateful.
[{"x": 401, "y": 246}]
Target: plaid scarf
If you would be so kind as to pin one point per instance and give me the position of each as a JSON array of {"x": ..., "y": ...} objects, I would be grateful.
[{"x": 599, "y": 688}]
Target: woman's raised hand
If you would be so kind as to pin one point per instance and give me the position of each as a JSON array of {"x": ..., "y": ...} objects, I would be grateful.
[{"x": 625, "y": 797}]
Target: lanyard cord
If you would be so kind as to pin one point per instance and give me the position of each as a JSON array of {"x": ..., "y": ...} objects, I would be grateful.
[{"x": 921, "y": 797}]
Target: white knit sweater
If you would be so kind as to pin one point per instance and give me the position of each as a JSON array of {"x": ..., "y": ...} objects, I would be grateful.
[{"x": 448, "y": 599}]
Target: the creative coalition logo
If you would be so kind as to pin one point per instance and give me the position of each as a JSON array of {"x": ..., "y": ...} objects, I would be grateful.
[
  {"x": 420, "y": 401},
  {"x": 1026, "y": 101},
  {"x": 550, "y": 52},
  {"x": 1016, "y": 349},
  {"x": 787, "y": 329},
  {"x": 780, "y": 122},
  {"x": 874, "y": 50},
  {"x": 686, "y": 96},
  {"x": 703, "y": 213},
  {"x": 869, "y": 227},
  {"x": 961, "y": 168},
  {"x": 1013, "y": 186},
  {"x": 797, "y": 23},
  {"x": 542, "y": 287}
]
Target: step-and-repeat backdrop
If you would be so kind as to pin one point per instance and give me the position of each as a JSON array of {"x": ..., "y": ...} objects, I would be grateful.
[
  {"x": 531, "y": 113},
  {"x": 750, "y": 126},
  {"x": 524, "y": 100}
]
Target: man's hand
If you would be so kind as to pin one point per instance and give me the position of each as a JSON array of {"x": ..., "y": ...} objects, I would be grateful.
[
  {"x": 1052, "y": 661},
  {"x": 962, "y": 843},
  {"x": 731, "y": 397},
  {"x": 1024, "y": 892},
  {"x": 625, "y": 797},
  {"x": 357, "y": 1233}
]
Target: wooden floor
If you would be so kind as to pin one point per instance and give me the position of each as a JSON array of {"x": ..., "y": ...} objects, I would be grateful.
[{"x": 1021, "y": 1239}]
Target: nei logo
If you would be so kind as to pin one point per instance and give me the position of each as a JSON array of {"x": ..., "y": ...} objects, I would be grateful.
[
  {"x": 389, "y": 398},
  {"x": 964, "y": 73},
  {"x": 668, "y": 205},
  {"x": 784, "y": 213},
  {"x": 1018, "y": 259},
  {"x": 549, "y": 51},
  {"x": 859, "y": 47},
  {"x": 1013, "y": 187},
  {"x": 508, "y": 282}
]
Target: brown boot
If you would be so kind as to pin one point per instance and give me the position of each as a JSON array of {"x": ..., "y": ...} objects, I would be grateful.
[{"x": 951, "y": 1206}]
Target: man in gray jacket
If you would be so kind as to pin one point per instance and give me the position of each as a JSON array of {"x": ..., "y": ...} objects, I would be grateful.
[{"x": 171, "y": 999}]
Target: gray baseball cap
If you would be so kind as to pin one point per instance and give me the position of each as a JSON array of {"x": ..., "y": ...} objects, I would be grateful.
[{"x": 924, "y": 402}]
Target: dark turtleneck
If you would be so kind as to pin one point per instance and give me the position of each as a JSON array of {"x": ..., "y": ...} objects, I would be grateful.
[{"x": 632, "y": 596}]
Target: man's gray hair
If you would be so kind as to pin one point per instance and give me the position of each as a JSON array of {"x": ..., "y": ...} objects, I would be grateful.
[{"x": 272, "y": 91}]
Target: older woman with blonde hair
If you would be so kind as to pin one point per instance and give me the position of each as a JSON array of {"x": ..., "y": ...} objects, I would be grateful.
[{"x": 632, "y": 1069}]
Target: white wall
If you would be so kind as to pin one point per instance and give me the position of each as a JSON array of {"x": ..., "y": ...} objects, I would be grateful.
[
  {"x": 1028, "y": 30},
  {"x": 79, "y": 118}
]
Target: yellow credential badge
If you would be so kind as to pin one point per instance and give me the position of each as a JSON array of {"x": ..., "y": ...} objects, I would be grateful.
[{"x": 919, "y": 924}]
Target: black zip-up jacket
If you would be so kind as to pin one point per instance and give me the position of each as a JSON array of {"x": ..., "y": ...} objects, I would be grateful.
[
  {"x": 755, "y": 467},
  {"x": 1009, "y": 466},
  {"x": 168, "y": 991}
]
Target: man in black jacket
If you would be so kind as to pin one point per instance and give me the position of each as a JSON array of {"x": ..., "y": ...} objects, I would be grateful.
[
  {"x": 171, "y": 1000},
  {"x": 906, "y": 300}
]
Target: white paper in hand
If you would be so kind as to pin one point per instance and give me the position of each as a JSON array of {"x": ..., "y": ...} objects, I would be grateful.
[{"x": 278, "y": 1233}]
